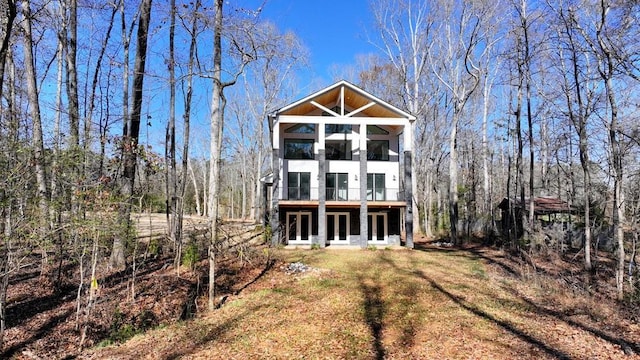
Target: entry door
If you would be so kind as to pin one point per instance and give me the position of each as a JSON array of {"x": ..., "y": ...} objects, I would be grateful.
[
  {"x": 337, "y": 227},
  {"x": 377, "y": 225},
  {"x": 299, "y": 227}
]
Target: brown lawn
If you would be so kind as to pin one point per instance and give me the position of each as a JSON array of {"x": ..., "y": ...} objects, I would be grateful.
[{"x": 429, "y": 303}]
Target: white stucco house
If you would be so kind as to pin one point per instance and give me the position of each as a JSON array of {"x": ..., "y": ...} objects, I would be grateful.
[{"x": 342, "y": 174}]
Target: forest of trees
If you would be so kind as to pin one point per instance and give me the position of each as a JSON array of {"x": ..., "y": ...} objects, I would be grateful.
[{"x": 109, "y": 108}]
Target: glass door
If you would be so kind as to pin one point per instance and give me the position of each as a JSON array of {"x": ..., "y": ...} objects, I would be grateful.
[
  {"x": 299, "y": 227},
  {"x": 337, "y": 227},
  {"x": 377, "y": 227}
]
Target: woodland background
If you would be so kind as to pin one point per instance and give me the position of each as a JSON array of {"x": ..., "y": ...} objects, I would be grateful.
[{"x": 112, "y": 108}]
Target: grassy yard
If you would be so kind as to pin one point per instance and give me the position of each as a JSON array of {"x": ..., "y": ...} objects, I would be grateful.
[{"x": 394, "y": 304}]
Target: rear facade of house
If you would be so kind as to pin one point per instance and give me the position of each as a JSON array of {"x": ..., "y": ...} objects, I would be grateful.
[{"x": 342, "y": 174}]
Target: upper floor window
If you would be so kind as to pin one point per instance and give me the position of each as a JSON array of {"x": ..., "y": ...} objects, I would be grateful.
[
  {"x": 302, "y": 129},
  {"x": 376, "y": 187},
  {"x": 299, "y": 185},
  {"x": 376, "y": 130},
  {"x": 298, "y": 148},
  {"x": 337, "y": 129},
  {"x": 335, "y": 109},
  {"x": 378, "y": 150},
  {"x": 337, "y": 186},
  {"x": 338, "y": 149}
]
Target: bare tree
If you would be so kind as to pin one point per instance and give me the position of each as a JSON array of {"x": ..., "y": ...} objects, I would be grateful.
[
  {"x": 130, "y": 135},
  {"x": 34, "y": 107},
  {"x": 246, "y": 53},
  {"x": 9, "y": 12},
  {"x": 608, "y": 61},
  {"x": 171, "y": 176},
  {"x": 179, "y": 213},
  {"x": 454, "y": 55},
  {"x": 405, "y": 29}
]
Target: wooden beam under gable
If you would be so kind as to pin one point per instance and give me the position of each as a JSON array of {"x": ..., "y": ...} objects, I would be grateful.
[
  {"x": 361, "y": 109},
  {"x": 342, "y": 100},
  {"x": 324, "y": 108}
]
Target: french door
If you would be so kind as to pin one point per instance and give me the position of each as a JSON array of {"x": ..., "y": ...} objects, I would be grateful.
[
  {"x": 299, "y": 227},
  {"x": 377, "y": 227},
  {"x": 337, "y": 227}
]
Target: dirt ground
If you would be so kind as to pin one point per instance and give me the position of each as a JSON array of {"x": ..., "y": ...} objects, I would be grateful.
[{"x": 44, "y": 323}]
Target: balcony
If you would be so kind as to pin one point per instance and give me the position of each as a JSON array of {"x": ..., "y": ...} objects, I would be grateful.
[{"x": 342, "y": 194}]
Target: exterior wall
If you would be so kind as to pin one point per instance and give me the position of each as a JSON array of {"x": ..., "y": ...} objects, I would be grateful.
[
  {"x": 393, "y": 219},
  {"x": 380, "y": 218},
  {"x": 390, "y": 168}
]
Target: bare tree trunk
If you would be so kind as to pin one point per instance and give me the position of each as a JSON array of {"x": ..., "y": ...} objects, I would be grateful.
[
  {"x": 72, "y": 74},
  {"x": 130, "y": 135},
  {"x": 34, "y": 107},
  {"x": 195, "y": 189},
  {"x": 92, "y": 98},
  {"x": 170, "y": 144},
  {"x": 217, "y": 123},
  {"x": 579, "y": 118},
  {"x": 606, "y": 59},
  {"x": 186, "y": 134},
  {"x": 453, "y": 180},
  {"x": 8, "y": 10}
]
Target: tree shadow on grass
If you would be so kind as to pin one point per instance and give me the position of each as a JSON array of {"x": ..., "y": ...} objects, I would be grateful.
[
  {"x": 51, "y": 323},
  {"x": 476, "y": 252},
  {"x": 629, "y": 347},
  {"x": 20, "y": 312},
  {"x": 409, "y": 292},
  {"x": 197, "y": 338},
  {"x": 503, "y": 324},
  {"x": 374, "y": 311}
]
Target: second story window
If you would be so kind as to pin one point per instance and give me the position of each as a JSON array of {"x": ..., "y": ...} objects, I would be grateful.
[
  {"x": 337, "y": 129},
  {"x": 299, "y": 185},
  {"x": 337, "y": 186},
  {"x": 378, "y": 150},
  {"x": 298, "y": 149},
  {"x": 376, "y": 187},
  {"x": 338, "y": 149},
  {"x": 302, "y": 129}
]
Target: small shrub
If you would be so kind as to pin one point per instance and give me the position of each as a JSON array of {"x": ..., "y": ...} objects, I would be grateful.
[
  {"x": 190, "y": 255},
  {"x": 267, "y": 233},
  {"x": 372, "y": 248},
  {"x": 154, "y": 246},
  {"x": 315, "y": 246}
]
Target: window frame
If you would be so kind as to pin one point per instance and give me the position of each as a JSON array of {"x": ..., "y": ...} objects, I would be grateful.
[
  {"x": 375, "y": 190},
  {"x": 380, "y": 155},
  {"x": 290, "y": 141},
  {"x": 347, "y": 154},
  {"x": 341, "y": 188},
  {"x": 297, "y": 191}
]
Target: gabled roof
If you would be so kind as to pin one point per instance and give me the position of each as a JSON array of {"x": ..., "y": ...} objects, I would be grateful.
[
  {"x": 541, "y": 205},
  {"x": 344, "y": 94}
]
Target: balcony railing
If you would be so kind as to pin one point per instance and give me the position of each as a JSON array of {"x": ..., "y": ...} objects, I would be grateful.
[{"x": 342, "y": 194}]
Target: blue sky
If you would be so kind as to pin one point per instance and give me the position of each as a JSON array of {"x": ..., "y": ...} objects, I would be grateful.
[{"x": 334, "y": 31}]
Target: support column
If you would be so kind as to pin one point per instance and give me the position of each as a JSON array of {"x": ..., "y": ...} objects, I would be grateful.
[
  {"x": 274, "y": 217},
  {"x": 364, "y": 230},
  {"x": 322, "y": 195},
  {"x": 408, "y": 194}
]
